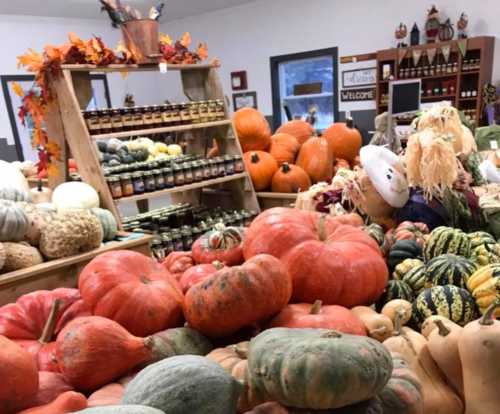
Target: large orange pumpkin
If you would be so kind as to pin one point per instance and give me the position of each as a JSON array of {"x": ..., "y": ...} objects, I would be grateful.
[
  {"x": 196, "y": 274},
  {"x": 261, "y": 166},
  {"x": 252, "y": 129},
  {"x": 133, "y": 290},
  {"x": 19, "y": 377},
  {"x": 290, "y": 179},
  {"x": 339, "y": 163},
  {"x": 284, "y": 148},
  {"x": 235, "y": 297},
  {"x": 328, "y": 261},
  {"x": 316, "y": 159},
  {"x": 344, "y": 140},
  {"x": 299, "y": 129}
]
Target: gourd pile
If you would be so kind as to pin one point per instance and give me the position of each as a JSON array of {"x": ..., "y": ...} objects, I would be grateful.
[{"x": 294, "y": 158}]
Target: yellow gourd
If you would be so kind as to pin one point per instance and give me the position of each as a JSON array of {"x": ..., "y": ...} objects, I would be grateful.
[{"x": 174, "y": 149}]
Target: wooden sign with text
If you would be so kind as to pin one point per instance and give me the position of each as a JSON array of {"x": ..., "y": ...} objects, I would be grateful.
[{"x": 356, "y": 95}]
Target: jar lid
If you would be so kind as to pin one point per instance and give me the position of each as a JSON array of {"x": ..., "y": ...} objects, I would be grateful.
[
  {"x": 126, "y": 176},
  {"x": 137, "y": 174},
  {"x": 177, "y": 167},
  {"x": 156, "y": 171},
  {"x": 167, "y": 170},
  {"x": 237, "y": 157},
  {"x": 113, "y": 179},
  {"x": 186, "y": 232},
  {"x": 186, "y": 165},
  {"x": 228, "y": 158}
]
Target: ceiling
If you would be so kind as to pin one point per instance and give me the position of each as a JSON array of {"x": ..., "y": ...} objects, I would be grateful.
[{"x": 90, "y": 9}]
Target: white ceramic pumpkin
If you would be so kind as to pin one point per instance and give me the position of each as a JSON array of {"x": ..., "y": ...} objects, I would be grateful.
[
  {"x": 75, "y": 196},
  {"x": 11, "y": 176}
]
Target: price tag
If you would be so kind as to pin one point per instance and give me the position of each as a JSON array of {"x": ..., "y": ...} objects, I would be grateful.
[
  {"x": 494, "y": 145},
  {"x": 163, "y": 67}
]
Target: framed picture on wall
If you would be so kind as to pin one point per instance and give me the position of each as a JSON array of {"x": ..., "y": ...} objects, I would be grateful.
[
  {"x": 245, "y": 100},
  {"x": 239, "y": 81},
  {"x": 359, "y": 77}
]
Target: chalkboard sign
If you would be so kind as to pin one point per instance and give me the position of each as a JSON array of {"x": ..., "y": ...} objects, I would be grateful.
[{"x": 356, "y": 95}]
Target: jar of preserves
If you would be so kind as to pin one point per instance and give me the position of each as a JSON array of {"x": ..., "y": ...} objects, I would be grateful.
[
  {"x": 179, "y": 178},
  {"x": 116, "y": 120},
  {"x": 197, "y": 172},
  {"x": 127, "y": 119},
  {"x": 221, "y": 112},
  {"x": 137, "y": 117},
  {"x": 247, "y": 218},
  {"x": 203, "y": 108},
  {"x": 239, "y": 165},
  {"x": 92, "y": 121},
  {"x": 214, "y": 168},
  {"x": 175, "y": 115},
  {"x": 149, "y": 181},
  {"x": 187, "y": 239},
  {"x": 166, "y": 116},
  {"x": 138, "y": 182},
  {"x": 229, "y": 164},
  {"x": 126, "y": 184},
  {"x": 104, "y": 121},
  {"x": 177, "y": 241},
  {"x": 194, "y": 112},
  {"x": 159, "y": 180},
  {"x": 185, "y": 114},
  {"x": 166, "y": 242},
  {"x": 205, "y": 169},
  {"x": 212, "y": 111},
  {"x": 114, "y": 187},
  {"x": 188, "y": 173},
  {"x": 157, "y": 117},
  {"x": 147, "y": 117},
  {"x": 168, "y": 177}
]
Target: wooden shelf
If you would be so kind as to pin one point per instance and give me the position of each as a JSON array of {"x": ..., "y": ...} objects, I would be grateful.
[
  {"x": 181, "y": 189},
  {"x": 284, "y": 196},
  {"x": 133, "y": 68},
  {"x": 161, "y": 130},
  {"x": 468, "y": 99},
  {"x": 438, "y": 97},
  {"x": 470, "y": 72}
]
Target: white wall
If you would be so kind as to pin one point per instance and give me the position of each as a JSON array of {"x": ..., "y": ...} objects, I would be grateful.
[{"x": 244, "y": 37}]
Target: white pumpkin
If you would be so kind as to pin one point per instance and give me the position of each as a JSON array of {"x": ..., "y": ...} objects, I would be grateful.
[
  {"x": 115, "y": 143},
  {"x": 11, "y": 176},
  {"x": 41, "y": 194},
  {"x": 145, "y": 142},
  {"x": 75, "y": 196},
  {"x": 29, "y": 169},
  {"x": 174, "y": 149},
  {"x": 161, "y": 147},
  {"x": 153, "y": 150}
]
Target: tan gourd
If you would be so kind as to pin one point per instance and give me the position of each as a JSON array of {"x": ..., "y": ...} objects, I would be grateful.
[
  {"x": 41, "y": 194},
  {"x": 378, "y": 327},
  {"x": 438, "y": 397},
  {"x": 478, "y": 344},
  {"x": 443, "y": 347},
  {"x": 430, "y": 324},
  {"x": 397, "y": 307}
]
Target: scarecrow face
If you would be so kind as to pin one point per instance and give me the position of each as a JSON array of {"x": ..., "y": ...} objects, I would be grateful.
[{"x": 396, "y": 182}]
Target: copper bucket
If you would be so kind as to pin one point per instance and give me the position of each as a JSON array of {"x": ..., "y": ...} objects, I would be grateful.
[{"x": 142, "y": 35}]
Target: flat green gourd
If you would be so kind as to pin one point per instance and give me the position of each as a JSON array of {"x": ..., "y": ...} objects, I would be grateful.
[
  {"x": 187, "y": 384},
  {"x": 186, "y": 341},
  {"x": 444, "y": 240},
  {"x": 13, "y": 221},
  {"x": 108, "y": 222},
  {"x": 121, "y": 409},
  {"x": 317, "y": 368},
  {"x": 15, "y": 194}
]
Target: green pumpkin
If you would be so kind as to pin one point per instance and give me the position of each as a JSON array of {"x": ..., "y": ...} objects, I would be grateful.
[
  {"x": 452, "y": 302},
  {"x": 377, "y": 233},
  {"x": 15, "y": 194},
  {"x": 188, "y": 384},
  {"x": 443, "y": 240},
  {"x": 108, "y": 222},
  {"x": 13, "y": 221},
  {"x": 402, "y": 250},
  {"x": 415, "y": 278},
  {"x": 395, "y": 289},
  {"x": 404, "y": 267},
  {"x": 185, "y": 341},
  {"x": 449, "y": 269},
  {"x": 481, "y": 238},
  {"x": 317, "y": 368},
  {"x": 121, "y": 409}
]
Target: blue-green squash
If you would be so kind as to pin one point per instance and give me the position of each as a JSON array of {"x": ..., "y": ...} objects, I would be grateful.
[
  {"x": 402, "y": 250},
  {"x": 443, "y": 240},
  {"x": 108, "y": 222},
  {"x": 449, "y": 269}
]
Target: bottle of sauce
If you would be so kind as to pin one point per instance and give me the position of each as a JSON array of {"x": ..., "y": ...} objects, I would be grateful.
[
  {"x": 185, "y": 114},
  {"x": 157, "y": 117},
  {"x": 105, "y": 121},
  {"x": 116, "y": 120},
  {"x": 166, "y": 116},
  {"x": 137, "y": 116},
  {"x": 93, "y": 123},
  {"x": 147, "y": 117},
  {"x": 127, "y": 119},
  {"x": 175, "y": 115}
]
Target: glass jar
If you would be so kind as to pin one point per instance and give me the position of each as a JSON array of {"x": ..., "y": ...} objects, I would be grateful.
[
  {"x": 149, "y": 181},
  {"x": 166, "y": 116},
  {"x": 212, "y": 111},
  {"x": 239, "y": 165},
  {"x": 419, "y": 72},
  {"x": 401, "y": 73},
  {"x": 438, "y": 70},
  {"x": 413, "y": 72},
  {"x": 187, "y": 239},
  {"x": 179, "y": 178},
  {"x": 426, "y": 71},
  {"x": 205, "y": 168},
  {"x": 221, "y": 112},
  {"x": 185, "y": 115},
  {"x": 166, "y": 242},
  {"x": 204, "y": 116},
  {"x": 175, "y": 115},
  {"x": 114, "y": 187},
  {"x": 159, "y": 180},
  {"x": 127, "y": 119},
  {"x": 188, "y": 173},
  {"x": 92, "y": 121},
  {"x": 147, "y": 117},
  {"x": 229, "y": 164},
  {"x": 196, "y": 233},
  {"x": 137, "y": 118},
  {"x": 168, "y": 177},
  {"x": 194, "y": 113},
  {"x": 177, "y": 241},
  {"x": 455, "y": 67},
  {"x": 116, "y": 120},
  {"x": 104, "y": 121},
  {"x": 449, "y": 68},
  {"x": 214, "y": 168},
  {"x": 220, "y": 166},
  {"x": 197, "y": 171},
  {"x": 432, "y": 71},
  {"x": 157, "y": 117},
  {"x": 247, "y": 218},
  {"x": 407, "y": 73},
  {"x": 126, "y": 184}
]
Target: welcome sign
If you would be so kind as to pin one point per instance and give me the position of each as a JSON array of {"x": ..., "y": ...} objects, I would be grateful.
[
  {"x": 359, "y": 77},
  {"x": 356, "y": 95}
]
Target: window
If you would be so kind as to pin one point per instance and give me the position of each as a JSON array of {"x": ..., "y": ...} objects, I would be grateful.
[{"x": 307, "y": 84}]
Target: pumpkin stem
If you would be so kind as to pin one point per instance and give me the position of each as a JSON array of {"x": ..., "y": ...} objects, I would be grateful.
[
  {"x": 330, "y": 334},
  {"x": 349, "y": 122},
  {"x": 285, "y": 168},
  {"x": 398, "y": 325},
  {"x": 316, "y": 308},
  {"x": 50, "y": 325},
  {"x": 486, "y": 318},
  {"x": 323, "y": 236},
  {"x": 218, "y": 265},
  {"x": 39, "y": 186},
  {"x": 382, "y": 331},
  {"x": 443, "y": 330},
  {"x": 254, "y": 158},
  {"x": 149, "y": 342},
  {"x": 241, "y": 352}
]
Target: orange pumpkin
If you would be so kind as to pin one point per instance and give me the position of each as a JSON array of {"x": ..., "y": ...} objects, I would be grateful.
[
  {"x": 284, "y": 148},
  {"x": 52, "y": 385},
  {"x": 290, "y": 179},
  {"x": 252, "y": 129},
  {"x": 339, "y": 163},
  {"x": 356, "y": 162},
  {"x": 110, "y": 394},
  {"x": 261, "y": 166},
  {"x": 316, "y": 159},
  {"x": 344, "y": 140},
  {"x": 69, "y": 402},
  {"x": 299, "y": 129}
]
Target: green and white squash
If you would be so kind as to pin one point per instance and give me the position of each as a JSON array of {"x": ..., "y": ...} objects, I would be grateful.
[
  {"x": 481, "y": 238},
  {"x": 444, "y": 240},
  {"x": 185, "y": 341},
  {"x": 108, "y": 222},
  {"x": 121, "y": 409},
  {"x": 318, "y": 368},
  {"x": 402, "y": 250},
  {"x": 15, "y": 194},
  {"x": 415, "y": 278},
  {"x": 452, "y": 302},
  {"x": 404, "y": 267},
  {"x": 175, "y": 386},
  {"x": 395, "y": 289},
  {"x": 377, "y": 233},
  {"x": 449, "y": 269},
  {"x": 13, "y": 221}
]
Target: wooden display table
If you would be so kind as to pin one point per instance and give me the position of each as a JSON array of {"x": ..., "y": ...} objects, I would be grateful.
[
  {"x": 269, "y": 200},
  {"x": 61, "y": 272}
]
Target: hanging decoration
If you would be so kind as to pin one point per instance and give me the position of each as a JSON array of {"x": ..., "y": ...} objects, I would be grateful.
[
  {"x": 401, "y": 33},
  {"x": 446, "y": 50},
  {"x": 446, "y": 31},
  {"x": 462, "y": 24},
  {"x": 401, "y": 55},
  {"x": 431, "y": 54},
  {"x": 432, "y": 25},
  {"x": 416, "y": 56},
  {"x": 462, "y": 46}
]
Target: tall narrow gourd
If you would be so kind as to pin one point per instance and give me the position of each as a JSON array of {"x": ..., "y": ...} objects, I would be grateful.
[
  {"x": 344, "y": 141},
  {"x": 316, "y": 159},
  {"x": 290, "y": 179},
  {"x": 261, "y": 166},
  {"x": 252, "y": 129}
]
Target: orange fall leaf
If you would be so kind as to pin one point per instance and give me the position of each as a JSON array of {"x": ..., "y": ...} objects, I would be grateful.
[
  {"x": 186, "y": 39},
  {"x": 17, "y": 89}
]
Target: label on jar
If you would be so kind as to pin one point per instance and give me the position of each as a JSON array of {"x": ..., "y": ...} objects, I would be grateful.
[
  {"x": 187, "y": 243},
  {"x": 150, "y": 184},
  {"x": 178, "y": 245},
  {"x": 105, "y": 122},
  {"x": 204, "y": 116},
  {"x": 220, "y": 111},
  {"x": 127, "y": 189},
  {"x": 170, "y": 180},
  {"x": 238, "y": 166},
  {"x": 185, "y": 116},
  {"x": 93, "y": 124},
  {"x": 138, "y": 119},
  {"x": 212, "y": 112},
  {"x": 138, "y": 186},
  {"x": 116, "y": 121},
  {"x": 179, "y": 179},
  {"x": 194, "y": 112},
  {"x": 175, "y": 116},
  {"x": 157, "y": 118},
  {"x": 222, "y": 170},
  {"x": 160, "y": 181},
  {"x": 206, "y": 173},
  {"x": 214, "y": 171},
  {"x": 198, "y": 175},
  {"x": 166, "y": 116},
  {"x": 115, "y": 189},
  {"x": 230, "y": 168},
  {"x": 128, "y": 120},
  {"x": 147, "y": 118}
]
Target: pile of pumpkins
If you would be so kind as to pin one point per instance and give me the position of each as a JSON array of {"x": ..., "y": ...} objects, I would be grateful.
[
  {"x": 115, "y": 152},
  {"x": 37, "y": 225},
  {"x": 294, "y": 157},
  {"x": 30, "y": 170}
]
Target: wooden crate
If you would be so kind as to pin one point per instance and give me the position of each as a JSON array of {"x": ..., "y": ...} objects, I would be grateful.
[
  {"x": 271, "y": 200},
  {"x": 61, "y": 272}
]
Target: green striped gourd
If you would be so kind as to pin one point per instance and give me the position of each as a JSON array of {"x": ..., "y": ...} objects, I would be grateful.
[
  {"x": 395, "y": 289},
  {"x": 415, "y": 278},
  {"x": 377, "y": 233},
  {"x": 444, "y": 240},
  {"x": 481, "y": 238},
  {"x": 449, "y": 269},
  {"x": 402, "y": 250},
  {"x": 452, "y": 302},
  {"x": 403, "y": 268}
]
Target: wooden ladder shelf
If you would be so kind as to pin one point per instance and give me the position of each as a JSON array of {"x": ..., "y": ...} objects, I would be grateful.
[{"x": 67, "y": 128}]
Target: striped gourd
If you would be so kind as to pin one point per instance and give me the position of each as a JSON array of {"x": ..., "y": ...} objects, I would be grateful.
[
  {"x": 377, "y": 233},
  {"x": 449, "y": 269},
  {"x": 403, "y": 268},
  {"x": 485, "y": 287},
  {"x": 481, "y": 238},
  {"x": 444, "y": 240},
  {"x": 395, "y": 289},
  {"x": 452, "y": 302},
  {"x": 415, "y": 278}
]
